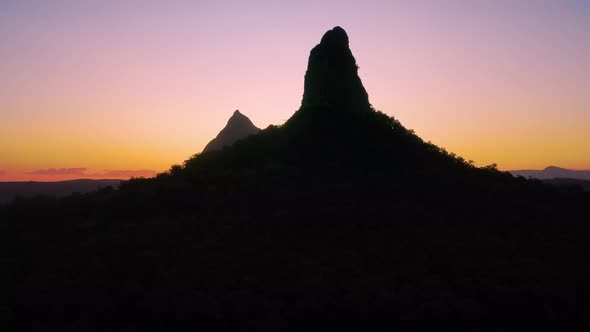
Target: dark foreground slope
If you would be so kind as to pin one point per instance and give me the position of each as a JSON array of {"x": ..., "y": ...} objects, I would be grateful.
[
  {"x": 565, "y": 182},
  {"x": 339, "y": 219}
]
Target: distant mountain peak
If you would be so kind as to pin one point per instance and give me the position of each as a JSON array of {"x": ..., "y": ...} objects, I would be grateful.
[
  {"x": 554, "y": 168},
  {"x": 238, "y": 126},
  {"x": 332, "y": 77},
  {"x": 554, "y": 172}
]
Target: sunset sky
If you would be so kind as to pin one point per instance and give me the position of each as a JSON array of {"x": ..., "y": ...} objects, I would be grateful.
[{"x": 112, "y": 89}]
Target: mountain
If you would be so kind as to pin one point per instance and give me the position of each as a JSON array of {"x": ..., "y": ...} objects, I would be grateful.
[
  {"x": 10, "y": 190},
  {"x": 238, "y": 126},
  {"x": 553, "y": 172},
  {"x": 332, "y": 75},
  {"x": 340, "y": 218}
]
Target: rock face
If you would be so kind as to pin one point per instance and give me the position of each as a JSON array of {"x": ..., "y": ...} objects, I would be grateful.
[
  {"x": 332, "y": 75},
  {"x": 237, "y": 127}
]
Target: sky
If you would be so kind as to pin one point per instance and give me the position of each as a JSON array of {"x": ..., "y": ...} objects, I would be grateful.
[{"x": 113, "y": 89}]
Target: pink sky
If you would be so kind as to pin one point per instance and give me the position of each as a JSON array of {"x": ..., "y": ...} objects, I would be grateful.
[{"x": 129, "y": 88}]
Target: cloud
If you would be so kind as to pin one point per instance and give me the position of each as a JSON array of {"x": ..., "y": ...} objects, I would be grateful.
[
  {"x": 60, "y": 171},
  {"x": 126, "y": 173},
  {"x": 82, "y": 173}
]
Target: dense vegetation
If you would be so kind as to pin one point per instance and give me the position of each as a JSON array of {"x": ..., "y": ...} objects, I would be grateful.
[{"x": 334, "y": 220}]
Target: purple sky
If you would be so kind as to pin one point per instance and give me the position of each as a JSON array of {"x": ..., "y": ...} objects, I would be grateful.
[{"x": 140, "y": 85}]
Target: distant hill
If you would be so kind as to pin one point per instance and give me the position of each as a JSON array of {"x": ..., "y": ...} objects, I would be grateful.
[
  {"x": 238, "y": 126},
  {"x": 10, "y": 190},
  {"x": 553, "y": 172}
]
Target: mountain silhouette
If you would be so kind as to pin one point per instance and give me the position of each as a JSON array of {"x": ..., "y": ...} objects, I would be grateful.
[
  {"x": 341, "y": 218},
  {"x": 553, "y": 172},
  {"x": 332, "y": 75},
  {"x": 238, "y": 126}
]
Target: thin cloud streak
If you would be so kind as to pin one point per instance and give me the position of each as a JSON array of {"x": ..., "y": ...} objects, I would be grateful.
[
  {"x": 127, "y": 173},
  {"x": 82, "y": 172},
  {"x": 78, "y": 171}
]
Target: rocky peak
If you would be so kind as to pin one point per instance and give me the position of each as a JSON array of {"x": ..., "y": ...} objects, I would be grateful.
[
  {"x": 238, "y": 119},
  {"x": 336, "y": 37},
  {"x": 332, "y": 75},
  {"x": 238, "y": 126}
]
